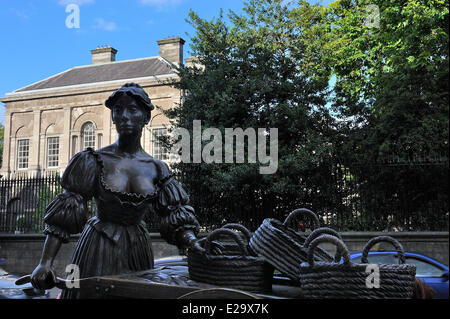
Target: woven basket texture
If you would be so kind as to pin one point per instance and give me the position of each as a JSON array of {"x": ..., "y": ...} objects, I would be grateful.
[
  {"x": 244, "y": 271},
  {"x": 325, "y": 280},
  {"x": 283, "y": 247}
]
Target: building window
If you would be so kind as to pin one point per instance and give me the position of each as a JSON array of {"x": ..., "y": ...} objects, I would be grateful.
[
  {"x": 159, "y": 151},
  {"x": 52, "y": 151},
  {"x": 23, "y": 152},
  {"x": 88, "y": 135}
]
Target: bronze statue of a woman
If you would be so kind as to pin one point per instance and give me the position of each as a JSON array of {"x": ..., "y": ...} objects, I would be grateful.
[{"x": 126, "y": 184}]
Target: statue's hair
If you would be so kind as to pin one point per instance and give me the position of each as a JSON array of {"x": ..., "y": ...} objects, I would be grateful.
[{"x": 134, "y": 90}]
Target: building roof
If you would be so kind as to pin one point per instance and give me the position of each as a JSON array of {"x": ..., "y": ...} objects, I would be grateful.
[{"x": 112, "y": 71}]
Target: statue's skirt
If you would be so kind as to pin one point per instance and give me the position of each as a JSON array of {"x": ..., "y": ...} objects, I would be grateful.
[{"x": 106, "y": 248}]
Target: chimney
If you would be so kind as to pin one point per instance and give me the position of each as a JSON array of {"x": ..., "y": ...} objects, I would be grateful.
[
  {"x": 171, "y": 49},
  {"x": 193, "y": 62},
  {"x": 103, "y": 55}
]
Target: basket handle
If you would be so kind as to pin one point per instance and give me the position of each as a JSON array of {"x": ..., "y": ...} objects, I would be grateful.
[
  {"x": 240, "y": 228},
  {"x": 388, "y": 239},
  {"x": 323, "y": 230},
  {"x": 224, "y": 231},
  {"x": 328, "y": 239},
  {"x": 303, "y": 211},
  {"x": 319, "y": 231}
]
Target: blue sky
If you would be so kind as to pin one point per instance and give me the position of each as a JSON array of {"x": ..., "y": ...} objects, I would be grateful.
[{"x": 36, "y": 43}]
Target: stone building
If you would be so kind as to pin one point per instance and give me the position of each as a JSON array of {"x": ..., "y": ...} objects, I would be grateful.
[{"x": 49, "y": 121}]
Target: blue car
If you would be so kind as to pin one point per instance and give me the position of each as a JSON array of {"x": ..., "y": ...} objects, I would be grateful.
[{"x": 430, "y": 271}]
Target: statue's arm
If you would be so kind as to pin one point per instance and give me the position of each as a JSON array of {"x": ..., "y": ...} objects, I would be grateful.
[
  {"x": 50, "y": 250},
  {"x": 179, "y": 225},
  {"x": 188, "y": 238},
  {"x": 65, "y": 215},
  {"x": 43, "y": 276}
]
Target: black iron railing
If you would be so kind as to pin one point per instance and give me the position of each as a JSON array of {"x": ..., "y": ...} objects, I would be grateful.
[{"x": 361, "y": 197}]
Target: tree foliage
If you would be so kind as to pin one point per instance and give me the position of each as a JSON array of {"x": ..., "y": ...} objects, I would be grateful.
[
  {"x": 343, "y": 85},
  {"x": 391, "y": 72},
  {"x": 390, "y": 61},
  {"x": 253, "y": 79}
]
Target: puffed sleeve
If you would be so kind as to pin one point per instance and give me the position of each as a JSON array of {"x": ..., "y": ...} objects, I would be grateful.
[
  {"x": 67, "y": 213},
  {"x": 172, "y": 205}
]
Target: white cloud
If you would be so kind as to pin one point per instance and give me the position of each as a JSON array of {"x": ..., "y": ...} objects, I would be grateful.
[
  {"x": 20, "y": 13},
  {"x": 161, "y": 4},
  {"x": 102, "y": 24},
  {"x": 77, "y": 2}
]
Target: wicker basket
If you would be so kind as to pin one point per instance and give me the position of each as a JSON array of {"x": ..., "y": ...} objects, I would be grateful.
[
  {"x": 282, "y": 247},
  {"x": 321, "y": 254},
  {"x": 357, "y": 281},
  {"x": 230, "y": 247},
  {"x": 241, "y": 271}
]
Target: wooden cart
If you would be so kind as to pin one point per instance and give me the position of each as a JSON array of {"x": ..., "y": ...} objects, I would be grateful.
[{"x": 172, "y": 282}]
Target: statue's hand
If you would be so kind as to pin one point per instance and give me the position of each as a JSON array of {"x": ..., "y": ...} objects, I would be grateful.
[
  {"x": 43, "y": 277},
  {"x": 217, "y": 247},
  {"x": 196, "y": 247}
]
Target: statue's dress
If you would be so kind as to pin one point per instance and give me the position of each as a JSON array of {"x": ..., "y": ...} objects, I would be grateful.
[{"x": 115, "y": 241}]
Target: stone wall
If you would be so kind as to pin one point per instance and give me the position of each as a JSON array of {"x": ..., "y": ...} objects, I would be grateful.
[{"x": 22, "y": 252}]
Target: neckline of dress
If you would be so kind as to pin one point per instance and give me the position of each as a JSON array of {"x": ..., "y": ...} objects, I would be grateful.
[{"x": 133, "y": 195}]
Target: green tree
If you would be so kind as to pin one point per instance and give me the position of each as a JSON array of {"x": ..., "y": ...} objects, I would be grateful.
[
  {"x": 253, "y": 78},
  {"x": 391, "y": 95},
  {"x": 391, "y": 69},
  {"x": 271, "y": 67}
]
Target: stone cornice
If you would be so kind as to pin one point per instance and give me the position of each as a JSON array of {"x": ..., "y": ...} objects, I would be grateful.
[{"x": 87, "y": 88}]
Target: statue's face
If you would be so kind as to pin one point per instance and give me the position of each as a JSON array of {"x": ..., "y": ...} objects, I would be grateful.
[{"x": 128, "y": 116}]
